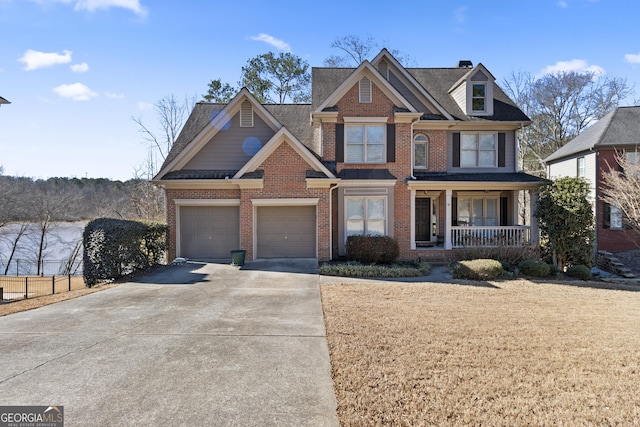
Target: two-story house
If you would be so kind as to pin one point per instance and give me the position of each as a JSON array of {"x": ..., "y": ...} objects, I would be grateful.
[
  {"x": 425, "y": 155},
  {"x": 593, "y": 153}
]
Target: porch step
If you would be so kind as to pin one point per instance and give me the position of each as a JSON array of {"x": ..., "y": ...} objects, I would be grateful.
[{"x": 608, "y": 262}]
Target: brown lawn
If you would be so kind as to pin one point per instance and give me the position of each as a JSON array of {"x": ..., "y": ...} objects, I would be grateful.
[{"x": 498, "y": 354}]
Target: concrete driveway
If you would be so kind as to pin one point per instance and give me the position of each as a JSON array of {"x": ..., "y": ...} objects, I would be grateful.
[{"x": 192, "y": 345}]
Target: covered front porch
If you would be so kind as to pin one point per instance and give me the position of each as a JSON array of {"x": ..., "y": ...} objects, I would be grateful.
[{"x": 473, "y": 210}]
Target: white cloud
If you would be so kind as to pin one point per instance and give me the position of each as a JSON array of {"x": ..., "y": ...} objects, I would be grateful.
[
  {"x": 34, "y": 59},
  {"x": 579, "y": 65},
  {"x": 563, "y": 4},
  {"x": 93, "y": 5},
  {"x": 145, "y": 105},
  {"x": 111, "y": 95},
  {"x": 75, "y": 91},
  {"x": 278, "y": 44},
  {"x": 634, "y": 58},
  {"x": 80, "y": 68}
]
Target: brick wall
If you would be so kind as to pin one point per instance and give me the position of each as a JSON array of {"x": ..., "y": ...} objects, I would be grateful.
[{"x": 611, "y": 240}]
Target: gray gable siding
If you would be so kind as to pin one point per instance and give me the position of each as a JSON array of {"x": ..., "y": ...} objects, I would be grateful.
[
  {"x": 407, "y": 93},
  {"x": 510, "y": 156},
  {"x": 232, "y": 148}
]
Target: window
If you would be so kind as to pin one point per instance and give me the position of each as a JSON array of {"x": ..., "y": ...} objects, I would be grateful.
[
  {"x": 581, "y": 173},
  {"x": 366, "y": 216},
  {"x": 365, "y": 143},
  {"x": 633, "y": 157},
  {"x": 478, "y": 150},
  {"x": 365, "y": 90},
  {"x": 615, "y": 217},
  {"x": 478, "y": 211},
  {"x": 420, "y": 151},
  {"x": 478, "y": 97}
]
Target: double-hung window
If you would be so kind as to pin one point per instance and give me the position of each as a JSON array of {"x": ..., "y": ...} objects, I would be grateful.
[
  {"x": 366, "y": 216},
  {"x": 478, "y": 150},
  {"x": 581, "y": 169},
  {"x": 478, "y": 97},
  {"x": 365, "y": 143}
]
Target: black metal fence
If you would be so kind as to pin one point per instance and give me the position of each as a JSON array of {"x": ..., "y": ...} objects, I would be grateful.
[{"x": 12, "y": 287}]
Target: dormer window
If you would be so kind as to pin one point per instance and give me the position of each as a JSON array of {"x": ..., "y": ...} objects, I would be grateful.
[
  {"x": 365, "y": 90},
  {"x": 478, "y": 97}
]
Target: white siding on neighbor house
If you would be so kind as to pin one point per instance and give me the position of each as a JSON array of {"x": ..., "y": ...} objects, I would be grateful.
[
  {"x": 569, "y": 168},
  {"x": 231, "y": 149}
]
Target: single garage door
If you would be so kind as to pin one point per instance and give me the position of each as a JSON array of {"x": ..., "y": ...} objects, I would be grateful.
[
  {"x": 286, "y": 232},
  {"x": 209, "y": 232}
]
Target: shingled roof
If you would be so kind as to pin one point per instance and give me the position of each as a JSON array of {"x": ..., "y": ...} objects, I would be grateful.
[{"x": 618, "y": 128}]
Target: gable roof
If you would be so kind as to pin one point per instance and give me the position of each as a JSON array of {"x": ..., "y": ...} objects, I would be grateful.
[
  {"x": 283, "y": 135},
  {"x": 204, "y": 122},
  {"x": 365, "y": 69},
  {"x": 618, "y": 128}
]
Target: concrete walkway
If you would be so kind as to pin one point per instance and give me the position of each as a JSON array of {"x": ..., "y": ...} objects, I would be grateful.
[{"x": 192, "y": 345}]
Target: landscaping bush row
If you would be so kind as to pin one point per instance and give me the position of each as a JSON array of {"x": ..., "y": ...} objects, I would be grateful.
[
  {"x": 356, "y": 269},
  {"x": 114, "y": 247}
]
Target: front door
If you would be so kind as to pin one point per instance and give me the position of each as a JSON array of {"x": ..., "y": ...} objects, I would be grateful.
[{"x": 423, "y": 220}]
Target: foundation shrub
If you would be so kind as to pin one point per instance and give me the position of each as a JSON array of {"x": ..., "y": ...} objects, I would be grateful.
[
  {"x": 581, "y": 272},
  {"x": 114, "y": 247},
  {"x": 372, "y": 249},
  {"x": 508, "y": 256},
  {"x": 356, "y": 269},
  {"x": 477, "y": 269},
  {"x": 535, "y": 268}
]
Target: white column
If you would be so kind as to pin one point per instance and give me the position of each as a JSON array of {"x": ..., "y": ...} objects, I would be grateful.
[
  {"x": 412, "y": 218},
  {"x": 447, "y": 220},
  {"x": 533, "y": 206}
]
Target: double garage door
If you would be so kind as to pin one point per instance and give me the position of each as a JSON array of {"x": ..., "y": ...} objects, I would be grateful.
[{"x": 211, "y": 232}]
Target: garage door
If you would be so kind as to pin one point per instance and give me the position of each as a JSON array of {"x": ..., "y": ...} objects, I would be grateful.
[
  {"x": 286, "y": 232},
  {"x": 209, "y": 232}
]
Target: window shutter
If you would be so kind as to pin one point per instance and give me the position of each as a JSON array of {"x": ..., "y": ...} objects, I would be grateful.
[
  {"x": 454, "y": 211},
  {"x": 365, "y": 90},
  {"x": 501, "y": 150},
  {"x": 246, "y": 115},
  {"x": 504, "y": 213},
  {"x": 391, "y": 142},
  {"x": 606, "y": 215},
  {"x": 339, "y": 142},
  {"x": 456, "y": 149}
]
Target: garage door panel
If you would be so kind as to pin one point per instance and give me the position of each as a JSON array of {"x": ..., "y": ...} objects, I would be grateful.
[
  {"x": 286, "y": 232},
  {"x": 209, "y": 232}
]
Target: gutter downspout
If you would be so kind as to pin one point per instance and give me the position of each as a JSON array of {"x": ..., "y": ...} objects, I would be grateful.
[{"x": 333, "y": 187}]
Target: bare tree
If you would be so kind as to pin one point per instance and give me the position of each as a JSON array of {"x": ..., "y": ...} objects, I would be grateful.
[
  {"x": 561, "y": 106},
  {"x": 352, "y": 50},
  {"x": 621, "y": 187},
  {"x": 171, "y": 114}
]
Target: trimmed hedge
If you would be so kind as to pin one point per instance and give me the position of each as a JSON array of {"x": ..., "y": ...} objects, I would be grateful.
[
  {"x": 477, "y": 269},
  {"x": 581, "y": 272},
  {"x": 535, "y": 268},
  {"x": 356, "y": 269},
  {"x": 372, "y": 249},
  {"x": 115, "y": 247}
]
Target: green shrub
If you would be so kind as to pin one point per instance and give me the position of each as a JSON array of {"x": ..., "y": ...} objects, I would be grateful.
[
  {"x": 507, "y": 255},
  {"x": 581, "y": 272},
  {"x": 535, "y": 268},
  {"x": 477, "y": 269},
  {"x": 115, "y": 247},
  {"x": 356, "y": 269},
  {"x": 372, "y": 249}
]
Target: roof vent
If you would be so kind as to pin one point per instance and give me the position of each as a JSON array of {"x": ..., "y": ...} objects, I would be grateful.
[{"x": 465, "y": 63}]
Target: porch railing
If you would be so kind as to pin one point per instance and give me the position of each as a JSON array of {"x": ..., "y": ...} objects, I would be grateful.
[{"x": 486, "y": 236}]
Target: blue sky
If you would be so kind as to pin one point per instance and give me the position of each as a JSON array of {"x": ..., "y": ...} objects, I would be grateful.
[{"x": 77, "y": 71}]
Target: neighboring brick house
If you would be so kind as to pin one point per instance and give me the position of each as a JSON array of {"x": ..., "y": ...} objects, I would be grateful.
[
  {"x": 592, "y": 153},
  {"x": 425, "y": 155}
]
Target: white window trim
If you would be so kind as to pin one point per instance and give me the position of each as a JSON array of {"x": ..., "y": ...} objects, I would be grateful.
[
  {"x": 364, "y": 124},
  {"x": 619, "y": 214},
  {"x": 365, "y": 219},
  {"x": 426, "y": 144},
  {"x": 484, "y": 84},
  {"x": 477, "y": 150},
  {"x": 580, "y": 171}
]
